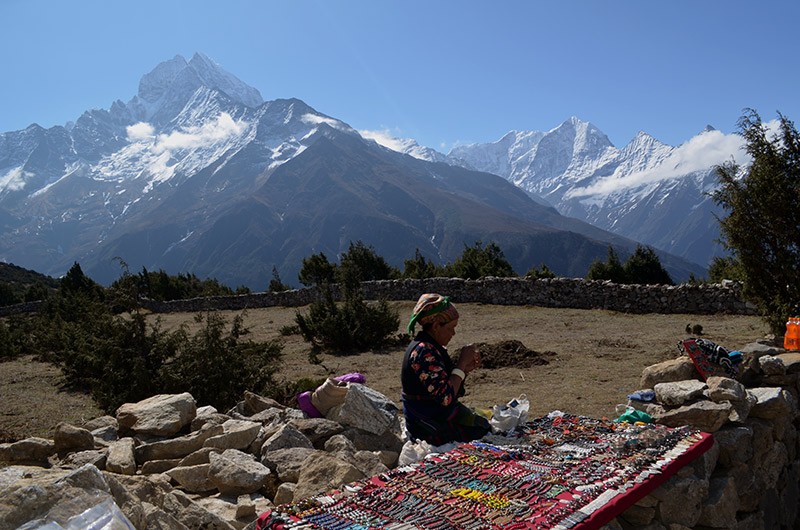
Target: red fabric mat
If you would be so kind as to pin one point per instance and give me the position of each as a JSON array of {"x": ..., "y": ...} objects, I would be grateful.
[{"x": 562, "y": 471}]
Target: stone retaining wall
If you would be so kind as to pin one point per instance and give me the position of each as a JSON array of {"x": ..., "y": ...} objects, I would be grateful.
[
  {"x": 557, "y": 292},
  {"x": 750, "y": 478}
]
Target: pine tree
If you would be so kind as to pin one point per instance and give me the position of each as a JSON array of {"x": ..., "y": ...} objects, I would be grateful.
[{"x": 762, "y": 229}]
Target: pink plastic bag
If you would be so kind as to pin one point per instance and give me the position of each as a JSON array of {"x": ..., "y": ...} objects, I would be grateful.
[
  {"x": 304, "y": 401},
  {"x": 353, "y": 377}
]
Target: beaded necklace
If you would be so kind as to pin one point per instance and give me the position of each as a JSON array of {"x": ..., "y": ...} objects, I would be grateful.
[{"x": 557, "y": 474}]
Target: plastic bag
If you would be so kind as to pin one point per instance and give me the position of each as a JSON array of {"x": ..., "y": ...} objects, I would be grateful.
[
  {"x": 506, "y": 418},
  {"x": 631, "y": 415},
  {"x": 105, "y": 515},
  {"x": 416, "y": 451}
]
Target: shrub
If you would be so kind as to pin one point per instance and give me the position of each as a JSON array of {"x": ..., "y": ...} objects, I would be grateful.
[
  {"x": 535, "y": 273},
  {"x": 122, "y": 358},
  {"x": 348, "y": 327},
  {"x": 216, "y": 366},
  {"x": 163, "y": 287},
  {"x": 644, "y": 267},
  {"x": 289, "y": 330}
]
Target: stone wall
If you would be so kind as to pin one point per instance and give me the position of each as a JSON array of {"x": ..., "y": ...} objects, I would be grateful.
[
  {"x": 750, "y": 478},
  {"x": 557, "y": 292}
]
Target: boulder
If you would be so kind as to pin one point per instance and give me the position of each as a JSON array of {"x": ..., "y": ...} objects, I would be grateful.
[
  {"x": 679, "y": 392},
  {"x": 679, "y": 369},
  {"x": 160, "y": 415},
  {"x": 324, "y": 472},
  {"x": 191, "y": 514},
  {"x": 33, "y": 450},
  {"x": 286, "y": 437},
  {"x": 317, "y": 430},
  {"x": 69, "y": 439},
  {"x": 725, "y": 389},
  {"x": 772, "y": 403},
  {"x": 193, "y": 479},
  {"x": 719, "y": 509},
  {"x": 771, "y": 365},
  {"x": 285, "y": 493},
  {"x": 255, "y": 403},
  {"x": 120, "y": 457},
  {"x": 365, "y": 409},
  {"x": 237, "y": 434},
  {"x": 236, "y": 473},
  {"x": 177, "y": 447},
  {"x": 704, "y": 415},
  {"x": 681, "y": 500},
  {"x": 287, "y": 463}
]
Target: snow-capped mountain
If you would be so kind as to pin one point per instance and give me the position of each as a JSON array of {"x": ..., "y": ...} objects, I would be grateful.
[
  {"x": 647, "y": 191},
  {"x": 196, "y": 173}
]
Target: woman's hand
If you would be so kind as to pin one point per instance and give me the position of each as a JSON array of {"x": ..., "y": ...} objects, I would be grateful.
[{"x": 469, "y": 358}]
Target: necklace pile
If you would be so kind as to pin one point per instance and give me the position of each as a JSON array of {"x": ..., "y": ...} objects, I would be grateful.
[{"x": 555, "y": 474}]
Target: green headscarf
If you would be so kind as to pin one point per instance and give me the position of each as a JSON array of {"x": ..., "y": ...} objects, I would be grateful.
[{"x": 432, "y": 307}]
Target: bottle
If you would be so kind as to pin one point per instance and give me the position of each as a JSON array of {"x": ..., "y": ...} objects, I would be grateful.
[{"x": 791, "y": 339}]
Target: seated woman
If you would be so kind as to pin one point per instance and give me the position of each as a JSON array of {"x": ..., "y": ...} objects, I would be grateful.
[{"x": 432, "y": 383}]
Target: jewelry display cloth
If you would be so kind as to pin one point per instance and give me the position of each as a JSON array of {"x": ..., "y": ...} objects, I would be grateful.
[{"x": 561, "y": 471}]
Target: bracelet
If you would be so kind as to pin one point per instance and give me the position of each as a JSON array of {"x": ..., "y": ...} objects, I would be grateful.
[{"x": 459, "y": 372}]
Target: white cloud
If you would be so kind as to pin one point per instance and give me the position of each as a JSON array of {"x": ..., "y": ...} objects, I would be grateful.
[
  {"x": 14, "y": 179},
  {"x": 209, "y": 133},
  {"x": 316, "y": 120},
  {"x": 386, "y": 139},
  {"x": 140, "y": 131},
  {"x": 702, "y": 152}
]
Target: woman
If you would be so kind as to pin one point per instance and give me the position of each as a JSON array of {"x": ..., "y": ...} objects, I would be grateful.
[{"x": 432, "y": 383}]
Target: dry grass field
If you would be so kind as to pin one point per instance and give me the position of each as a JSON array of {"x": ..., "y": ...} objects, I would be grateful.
[{"x": 596, "y": 358}]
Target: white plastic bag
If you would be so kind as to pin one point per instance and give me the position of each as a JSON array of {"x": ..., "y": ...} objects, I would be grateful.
[
  {"x": 506, "y": 418},
  {"x": 413, "y": 452}
]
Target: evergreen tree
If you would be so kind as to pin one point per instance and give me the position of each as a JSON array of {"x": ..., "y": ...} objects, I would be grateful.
[
  {"x": 611, "y": 269},
  {"x": 762, "y": 228},
  {"x": 644, "y": 267},
  {"x": 419, "y": 267},
  {"x": 724, "y": 268},
  {"x": 536, "y": 273},
  {"x": 275, "y": 284},
  {"x": 478, "y": 261},
  {"x": 7, "y": 295},
  {"x": 365, "y": 264},
  {"x": 317, "y": 270}
]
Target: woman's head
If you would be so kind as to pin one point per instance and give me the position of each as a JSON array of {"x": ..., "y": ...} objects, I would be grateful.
[{"x": 434, "y": 311}]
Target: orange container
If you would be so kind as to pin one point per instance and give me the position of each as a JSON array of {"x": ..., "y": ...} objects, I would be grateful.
[{"x": 791, "y": 339}]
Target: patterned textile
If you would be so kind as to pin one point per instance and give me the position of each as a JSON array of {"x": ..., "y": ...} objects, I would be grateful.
[
  {"x": 432, "y": 307},
  {"x": 711, "y": 359},
  {"x": 428, "y": 365},
  {"x": 563, "y": 472},
  {"x": 430, "y": 404}
]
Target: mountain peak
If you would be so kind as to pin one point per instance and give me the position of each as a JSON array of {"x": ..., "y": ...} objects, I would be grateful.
[
  {"x": 200, "y": 71},
  {"x": 153, "y": 84}
]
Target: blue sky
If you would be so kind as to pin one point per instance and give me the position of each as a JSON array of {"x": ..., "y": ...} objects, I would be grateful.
[{"x": 443, "y": 72}]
